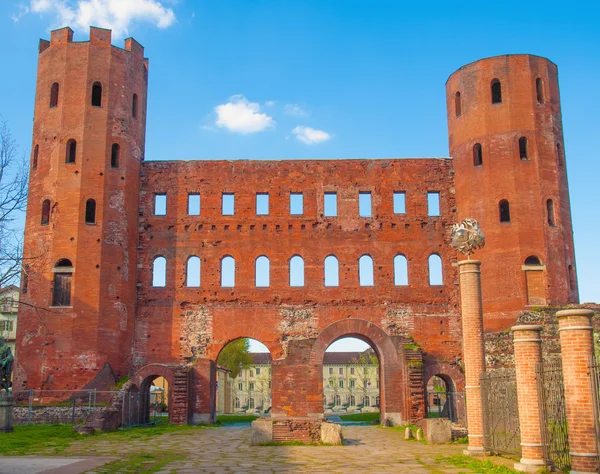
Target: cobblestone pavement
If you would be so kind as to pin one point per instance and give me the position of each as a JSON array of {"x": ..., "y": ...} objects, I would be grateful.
[{"x": 227, "y": 449}]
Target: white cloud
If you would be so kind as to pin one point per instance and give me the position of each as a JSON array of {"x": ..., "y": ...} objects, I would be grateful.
[
  {"x": 23, "y": 10},
  {"x": 310, "y": 136},
  {"x": 117, "y": 15},
  {"x": 241, "y": 116},
  {"x": 294, "y": 110}
]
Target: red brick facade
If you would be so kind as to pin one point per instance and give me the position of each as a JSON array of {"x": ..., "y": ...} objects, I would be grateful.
[{"x": 117, "y": 316}]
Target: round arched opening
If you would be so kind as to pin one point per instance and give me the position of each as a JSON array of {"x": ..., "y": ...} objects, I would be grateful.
[
  {"x": 442, "y": 400},
  {"x": 243, "y": 380},
  {"x": 151, "y": 402}
]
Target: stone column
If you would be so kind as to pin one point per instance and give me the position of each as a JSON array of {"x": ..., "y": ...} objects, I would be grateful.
[
  {"x": 577, "y": 346},
  {"x": 473, "y": 349},
  {"x": 528, "y": 353}
]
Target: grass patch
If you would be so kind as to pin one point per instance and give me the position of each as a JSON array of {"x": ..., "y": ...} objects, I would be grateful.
[
  {"x": 370, "y": 417},
  {"x": 236, "y": 418},
  {"x": 141, "y": 462},
  {"x": 475, "y": 465}
]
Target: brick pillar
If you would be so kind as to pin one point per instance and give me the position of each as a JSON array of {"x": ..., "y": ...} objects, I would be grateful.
[
  {"x": 473, "y": 349},
  {"x": 577, "y": 346},
  {"x": 528, "y": 353}
]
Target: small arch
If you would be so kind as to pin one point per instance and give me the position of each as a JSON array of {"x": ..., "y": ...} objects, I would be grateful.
[
  {"x": 441, "y": 398},
  {"x": 159, "y": 272},
  {"x": 296, "y": 271},
  {"x": 64, "y": 263},
  {"x": 331, "y": 267},
  {"x": 34, "y": 161},
  {"x": 539, "y": 90},
  {"x": 134, "y": 106},
  {"x": 477, "y": 155},
  {"x": 114, "y": 155},
  {"x": 400, "y": 270},
  {"x": 228, "y": 271},
  {"x": 559, "y": 155},
  {"x": 90, "y": 211},
  {"x": 71, "y": 151},
  {"x": 262, "y": 272},
  {"x": 496, "y": 88},
  {"x": 61, "y": 285},
  {"x": 435, "y": 270},
  {"x": 54, "y": 95},
  {"x": 523, "y": 148},
  {"x": 192, "y": 272},
  {"x": 504, "y": 209},
  {"x": 457, "y": 105},
  {"x": 365, "y": 271},
  {"x": 572, "y": 278},
  {"x": 96, "y": 94},
  {"x": 533, "y": 260},
  {"x": 550, "y": 212},
  {"x": 46, "y": 212}
]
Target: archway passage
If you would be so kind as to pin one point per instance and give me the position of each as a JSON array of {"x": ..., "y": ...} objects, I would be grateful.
[
  {"x": 442, "y": 400},
  {"x": 243, "y": 380}
]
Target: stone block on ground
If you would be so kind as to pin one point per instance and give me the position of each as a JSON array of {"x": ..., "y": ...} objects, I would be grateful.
[
  {"x": 408, "y": 434},
  {"x": 331, "y": 433},
  {"x": 262, "y": 431},
  {"x": 437, "y": 430},
  {"x": 420, "y": 434}
]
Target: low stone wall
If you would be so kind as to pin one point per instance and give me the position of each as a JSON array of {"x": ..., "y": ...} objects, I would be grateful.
[
  {"x": 304, "y": 430},
  {"x": 40, "y": 415}
]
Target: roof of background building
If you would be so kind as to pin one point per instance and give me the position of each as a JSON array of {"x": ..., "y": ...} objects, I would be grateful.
[{"x": 261, "y": 358}]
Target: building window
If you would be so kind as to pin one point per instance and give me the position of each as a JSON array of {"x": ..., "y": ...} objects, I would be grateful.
[
  {"x": 504, "y": 209},
  {"x": 6, "y": 326},
  {"x": 262, "y": 272},
  {"x": 193, "y": 204},
  {"x": 228, "y": 272},
  {"x": 341, "y": 383},
  {"x": 251, "y": 385},
  {"x": 258, "y": 371},
  {"x": 367, "y": 401},
  {"x": 134, "y": 106},
  {"x": 341, "y": 371},
  {"x": 539, "y": 89},
  {"x": 330, "y": 370},
  {"x": 435, "y": 270},
  {"x": 262, "y": 204},
  {"x": 559, "y": 156},
  {"x": 477, "y": 155},
  {"x": 251, "y": 402},
  {"x": 90, "y": 211},
  {"x": 228, "y": 204},
  {"x": 399, "y": 202},
  {"x": 352, "y": 383},
  {"x": 237, "y": 401},
  {"x": 352, "y": 399},
  {"x": 523, "y": 148},
  {"x": 61, "y": 290},
  {"x": 160, "y": 204},
  {"x": 252, "y": 374},
  {"x": 331, "y": 267},
  {"x": 241, "y": 386},
  {"x": 71, "y": 151},
  {"x": 296, "y": 271},
  {"x": 351, "y": 370},
  {"x": 330, "y": 204},
  {"x": 400, "y": 270},
  {"x": 36, "y": 152},
  {"x": 159, "y": 272},
  {"x": 433, "y": 204},
  {"x": 54, "y": 95},
  {"x": 296, "y": 204},
  {"x": 364, "y": 204},
  {"x": 457, "y": 105},
  {"x": 496, "y": 92},
  {"x": 114, "y": 155},
  {"x": 550, "y": 210},
  {"x": 365, "y": 271},
  {"x": 192, "y": 276},
  {"x": 97, "y": 94},
  {"x": 46, "y": 212}
]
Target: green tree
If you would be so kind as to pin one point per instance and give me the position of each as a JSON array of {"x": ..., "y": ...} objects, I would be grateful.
[
  {"x": 235, "y": 356},
  {"x": 367, "y": 371}
]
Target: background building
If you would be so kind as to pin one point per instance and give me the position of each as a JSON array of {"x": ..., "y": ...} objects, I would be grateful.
[{"x": 9, "y": 307}]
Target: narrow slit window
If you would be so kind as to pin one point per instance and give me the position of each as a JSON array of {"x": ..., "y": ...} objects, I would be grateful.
[
  {"x": 228, "y": 204},
  {"x": 399, "y": 202},
  {"x": 134, "y": 106},
  {"x": 435, "y": 270},
  {"x": 45, "y": 212},
  {"x": 296, "y": 271},
  {"x": 550, "y": 210},
  {"x": 262, "y": 204},
  {"x": 192, "y": 277},
  {"x": 228, "y": 272},
  {"x": 36, "y": 152},
  {"x": 457, "y": 105},
  {"x": 496, "y": 92},
  {"x": 504, "y": 208},
  {"x": 61, "y": 287},
  {"x": 114, "y": 155},
  {"x": 400, "y": 270},
  {"x": 559, "y": 156},
  {"x": 523, "y": 148},
  {"x": 539, "y": 89},
  {"x": 364, "y": 204},
  {"x": 296, "y": 204},
  {"x": 90, "y": 211},
  {"x": 262, "y": 272},
  {"x": 97, "y": 94},
  {"x": 477, "y": 155},
  {"x": 330, "y": 205},
  {"x": 71, "y": 151},
  {"x": 160, "y": 204},
  {"x": 193, "y": 204},
  {"x": 433, "y": 204},
  {"x": 331, "y": 267},
  {"x": 365, "y": 271},
  {"x": 54, "y": 95},
  {"x": 159, "y": 272}
]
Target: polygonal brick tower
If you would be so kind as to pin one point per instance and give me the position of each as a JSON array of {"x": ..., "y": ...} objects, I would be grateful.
[
  {"x": 506, "y": 140},
  {"x": 79, "y": 291}
]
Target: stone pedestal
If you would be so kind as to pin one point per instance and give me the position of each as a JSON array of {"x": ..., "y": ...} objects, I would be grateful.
[
  {"x": 473, "y": 349},
  {"x": 307, "y": 430},
  {"x": 6, "y": 409},
  {"x": 577, "y": 346},
  {"x": 437, "y": 430}
]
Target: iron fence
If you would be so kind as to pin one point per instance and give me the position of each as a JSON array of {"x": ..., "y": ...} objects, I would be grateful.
[
  {"x": 594, "y": 369},
  {"x": 553, "y": 414},
  {"x": 502, "y": 433},
  {"x": 449, "y": 405}
]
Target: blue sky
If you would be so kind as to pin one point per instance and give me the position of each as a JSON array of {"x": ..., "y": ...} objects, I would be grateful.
[{"x": 324, "y": 79}]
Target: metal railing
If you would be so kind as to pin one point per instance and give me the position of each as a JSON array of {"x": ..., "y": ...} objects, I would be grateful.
[
  {"x": 449, "y": 405},
  {"x": 594, "y": 370}
]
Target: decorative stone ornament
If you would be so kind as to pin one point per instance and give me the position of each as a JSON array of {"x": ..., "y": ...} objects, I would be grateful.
[{"x": 467, "y": 236}]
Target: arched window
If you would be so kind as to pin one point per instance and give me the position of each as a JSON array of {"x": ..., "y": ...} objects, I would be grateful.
[
  {"x": 523, "y": 148},
  {"x": 504, "y": 209},
  {"x": 400, "y": 270},
  {"x": 435, "y": 270},
  {"x": 192, "y": 274},
  {"x": 36, "y": 152},
  {"x": 559, "y": 156},
  {"x": 365, "y": 271},
  {"x": 550, "y": 210},
  {"x": 159, "y": 272},
  {"x": 539, "y": 89},
  {"x": 496, "y": 92},
  {"x": 457, "y": 105},
  {"x": 262, "y": 272},
  {"x": 46, "y": 212},
  {"x": 337, "y": 400},
  {"x": 54, "y": 95},
  {"x": 352, "y": 401},
  {"x": 97, "y": 94},
  {"x": 237, "y": 402},
  {"x": 332, "y": 272},
  {"x": 228, "y": 271},
  {"x": 114, "y": 155},
  {"x": 71, "y": 151},
  {"x": 296, "y": 271},
  {"x": 61, "y": 288},
  {"x": 367, "y": 401},
  {"x": 535, "y": 281},
  {"x": 90, "y": 211},
  {"x": 134, "y": 106},
  {"x": 251, "y": 403},
  {"x": 477, "y": 155},
  {"x": 532, "y": 260}
]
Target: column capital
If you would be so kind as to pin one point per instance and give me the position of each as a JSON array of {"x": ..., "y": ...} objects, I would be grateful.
[
  {"x": 581, "y": 312},
  {"x": 527, "y": 327},
  {"x": 469, "y": 262}
]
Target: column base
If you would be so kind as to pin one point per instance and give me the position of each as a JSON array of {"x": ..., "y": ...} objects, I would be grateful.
[
  {"x": 529, "y": 465},
  {"x": 475, "y": 451},
  {"x": 202, "y": 419}
]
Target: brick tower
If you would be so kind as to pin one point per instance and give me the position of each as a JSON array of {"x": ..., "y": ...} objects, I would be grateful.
[
  {"x": 506, "y": 140},
  {"x": 79, "y": 291}
]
